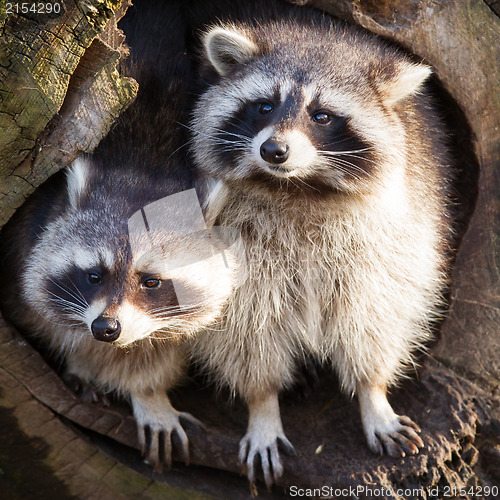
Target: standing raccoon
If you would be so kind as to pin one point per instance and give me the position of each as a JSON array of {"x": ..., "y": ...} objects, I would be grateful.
[
  {"x": 328, "y": 157},
  {"x": 102, "y": 268}
]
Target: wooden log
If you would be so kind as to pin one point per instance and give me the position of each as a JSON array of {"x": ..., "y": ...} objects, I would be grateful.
[{"x": 59, "y": 93}]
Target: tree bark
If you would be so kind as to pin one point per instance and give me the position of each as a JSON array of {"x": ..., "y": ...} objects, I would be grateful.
[{"x": 60, "y": 92}]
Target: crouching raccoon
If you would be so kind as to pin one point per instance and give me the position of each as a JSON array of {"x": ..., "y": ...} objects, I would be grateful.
[{"x": 109, "y": 264}]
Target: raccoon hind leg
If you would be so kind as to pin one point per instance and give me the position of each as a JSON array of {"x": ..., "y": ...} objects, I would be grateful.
[
  {"x": 85, "y": 390},
  {"x": 261, "y": 440}
]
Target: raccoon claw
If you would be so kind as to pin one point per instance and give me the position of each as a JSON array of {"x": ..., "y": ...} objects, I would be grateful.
[
  {"x": 86, "y": 391},
  {"x": 387, "y": 432},
  {"x": 192, "y": 420},
  {"x": 407, "y": 421},
  {"x": 253, "y": 447},
  {"x": 156, "y": 443},
  {"x": 91, "y": 395},
  {"x": 287, "y": 447},
  {"x": 397, "y": 438},
  {"x": 159, "y": 430}
]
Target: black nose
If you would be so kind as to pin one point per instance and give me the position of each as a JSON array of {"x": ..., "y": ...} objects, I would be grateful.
[
  {"x": 274, "y": 151},
  {"x": 106, "y": 329}
]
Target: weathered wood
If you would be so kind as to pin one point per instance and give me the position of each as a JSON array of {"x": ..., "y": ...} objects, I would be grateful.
[
  {"x": 59, "y": 93},
  {"x": 49, "y": 65},
  {"x": 442, "y": 402},
  {"x": 40, "y": 455}
]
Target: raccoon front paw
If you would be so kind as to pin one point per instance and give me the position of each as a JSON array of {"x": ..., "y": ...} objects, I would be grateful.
[
  {"x": 86, "y": 391},
  {"x": 263, "y": 443},
  {"x": 395, "y": 437},
  {"x": 157, "y": 423}
]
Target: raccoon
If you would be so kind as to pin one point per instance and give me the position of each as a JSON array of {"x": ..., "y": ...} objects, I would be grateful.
[
  {"x": 109, "y": 265},
  {"x": 327, "y": 154}
]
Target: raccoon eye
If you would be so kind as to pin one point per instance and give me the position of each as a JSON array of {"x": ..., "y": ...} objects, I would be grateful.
[
  {"x": 265, "y": 108},
  {"x": 321, "y": 118},
  {"x": 151, "y": 283},
  {"x": 94, "y": 278}
]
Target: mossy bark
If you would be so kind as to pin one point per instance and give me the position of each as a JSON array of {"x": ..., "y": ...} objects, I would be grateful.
[{"x": 59, "y": 92}]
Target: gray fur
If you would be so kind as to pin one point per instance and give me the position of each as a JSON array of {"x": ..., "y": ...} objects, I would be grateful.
[{"x": 87, "y": 229}]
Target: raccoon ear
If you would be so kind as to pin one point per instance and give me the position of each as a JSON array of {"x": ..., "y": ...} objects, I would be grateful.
[
  {"x": 77, "y": 175},
  {"x": 226, "y": 48},
  {"x": 407, "y": 80}
]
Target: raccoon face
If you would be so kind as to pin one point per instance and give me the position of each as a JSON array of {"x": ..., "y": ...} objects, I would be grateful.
[
  {"x": 290, "y": 137},
  {"x": 108, "y": 299},
  {"x": 120, "y": 298},
  {"x": 121, "y": 282},
  {"x": 121, "y": 304},
  {"x": 295, "y": 116}
]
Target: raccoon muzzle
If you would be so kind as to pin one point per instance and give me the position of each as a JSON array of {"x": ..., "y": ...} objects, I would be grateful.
[{"x": 106, "y": 329}]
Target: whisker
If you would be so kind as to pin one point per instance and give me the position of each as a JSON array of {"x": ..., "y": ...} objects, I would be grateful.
[
  {"x": 66, "y": 303},
  {"x": 342, "y": 164},
  {"x": 241, "y": 122},
  {"x": 169, "y": 314},
  {"x": 67, "y": 307},
  {"x": 201, "y": 302},
  {"x": 77, "y": 290},
  {"x": 174, "y": 308},
  {"x": 239, "y": 136},
  {"x": 66, "y": 290},
  {"x": 51, "y": 321},
  {"x": 227, "y": 149},
  {"x": 302, "y": 181},
  {"x": 337, "y": 153},
  {"x": 179, "y": 148},
  {"x": 339, "y": 158}
]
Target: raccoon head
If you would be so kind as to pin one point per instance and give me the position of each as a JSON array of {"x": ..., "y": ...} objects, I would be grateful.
[
  {"x": 122, "y": 280},
  {"x": 312, "y": 108}
]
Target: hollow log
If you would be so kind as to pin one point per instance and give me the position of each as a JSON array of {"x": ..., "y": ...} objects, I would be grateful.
[{"x": 59, "y": 94}]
